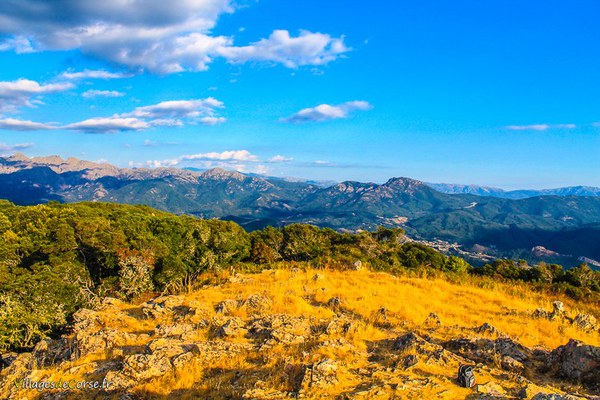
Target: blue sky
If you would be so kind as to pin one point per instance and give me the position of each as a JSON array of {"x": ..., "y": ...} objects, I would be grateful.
[{"x": 501, "y": 93}]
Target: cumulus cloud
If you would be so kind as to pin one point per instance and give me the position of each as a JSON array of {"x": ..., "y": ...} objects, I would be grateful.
[
  {"x": 102, "y": 93},
  {"x": 19, "y": 44},
  {"x": 307, "y": 48},
  {"x": 26, "y": 93},
  {"x": 178, "y": 109},
  {"x": 92, "y": 74},
  {"x": 239, "y": 160},
  {"x": 167, "y": 113},
  {"x": 152, "y": 35},
  {"x": 231, "y": 155},
  {"x": 13, "y": 124},
  {"x": 9, "y": 148},
  {"x": 233, "y": 159},
  {"x": 540, "y": 127},
  {"x": 213, "y": 120},
  {"x": 326, "y": 112},
  {"x": 108, "y": 125}
]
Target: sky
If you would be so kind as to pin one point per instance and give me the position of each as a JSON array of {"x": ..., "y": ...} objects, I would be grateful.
[{"x": 501, "y": 93}]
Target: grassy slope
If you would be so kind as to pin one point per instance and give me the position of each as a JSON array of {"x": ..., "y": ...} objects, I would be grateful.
[{"x": 409, "y": 300}]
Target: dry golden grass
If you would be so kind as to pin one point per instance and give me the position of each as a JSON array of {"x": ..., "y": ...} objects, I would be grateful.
[{"x": 407, "y": 300}]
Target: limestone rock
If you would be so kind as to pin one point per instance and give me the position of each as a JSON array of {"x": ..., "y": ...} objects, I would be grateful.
[
  {"x": 279, "y": 329},
  {"x": 334, "y": 302},
  {"x": 410, "y": 361},
  {"x": 257, "y": 304},
  {"x": 433, "y": 321},
  {"x": 510, "y": 364},
  {"x": 491, "y": 389},
  {"x": 558, "y": 310},
  {"x": 180, "y": 331},
  {"x": 577, "y": 361},
  {"x": 586, "y": 322},
  {"x": 233, "y": 327},
  {"x": 487, "y": 350},
  {"x": 488, "y": 329},
  {"x": 161, "y": 306},
  {"x": 227, "y": 307},
  {"x": 340, "y": 326},
  {"x": 321, "y": 374},
  {"x": 428, "y": 352}
]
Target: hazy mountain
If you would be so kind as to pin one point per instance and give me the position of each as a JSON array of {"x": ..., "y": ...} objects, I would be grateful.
[
  {"x": 566, "y": 225},
  {"x": 514, "y": 194}
]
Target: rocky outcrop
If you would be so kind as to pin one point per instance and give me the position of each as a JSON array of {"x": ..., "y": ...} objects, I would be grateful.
[
  {"x": 586, "y": 322},
  {"x": 319, "y": 375},
  {"x": 577, "y": 361},
  {"x": 161, "y": 356},
  {"x": 235, "y": 345},
  {"x": 276, "y": 329},
  {"x": 488, "y": 351}
]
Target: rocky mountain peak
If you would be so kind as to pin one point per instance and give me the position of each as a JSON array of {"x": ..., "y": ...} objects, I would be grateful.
[
  {"x": 18, "y": 157},
  {"x": 403, "y": 184},
  {"x": 222, "y": 174}
]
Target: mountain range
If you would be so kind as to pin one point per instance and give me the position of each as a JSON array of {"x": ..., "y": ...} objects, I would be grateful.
[
  {"x": 450, "y": 188},
  {"x": 554, "y": 228}
]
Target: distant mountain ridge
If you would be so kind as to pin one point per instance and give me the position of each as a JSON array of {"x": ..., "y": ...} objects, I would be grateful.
[
  {"x": 569, "y": 227},
  {"x": 449, "y": 188}
]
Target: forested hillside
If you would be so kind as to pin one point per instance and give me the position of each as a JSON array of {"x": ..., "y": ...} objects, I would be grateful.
[
  {"x": 569, "y": 227},
  {"x": 56, "y": 258}
]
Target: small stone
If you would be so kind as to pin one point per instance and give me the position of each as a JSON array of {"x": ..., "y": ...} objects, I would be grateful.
[
  {"x": 586, "y": 322},
  {"x": 433, "y": 321},
  {"x": 558, "y": 310},
  {"x": 233, "y": 327},
  {"x": 257, "y": 304},
  {"x": 510, "y": 364},
  {"x": 227, "y": 307},
  {"x": 410, "y": 361},
  {"x": 491, "y": 389},
  {"x": 334, "y": 302},
  {"x": 488, "y": 329}
]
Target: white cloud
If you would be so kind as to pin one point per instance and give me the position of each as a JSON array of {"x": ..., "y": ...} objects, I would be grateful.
[
  {"x": 25, "y": 93},
  {"x": 326, "y": 112},
  {"x": 280, "y": 159},
  {"x": 307, "y": 48},
  {"x": 540, "y": 127},
  {"x": 153, "y": 35},
  {"x": 239, "y": 160},
  {"x": 102, "y": 93},
  {"x": 108, "y": 125},
  {"x": 5, "y": 148},
  {"x": 13, "y": 124},
  {"x": 231, "y": 155},
  {"x": 166, "y": 122},
  {"x": 324, "y": 163},
  {"x": 178, "y": 109},
  {"x": 167, "y": 113},
  {"x": 19, "y": 44},
  {"x": 213, "y": 120},
  {"x": 93, "y": 74}
]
